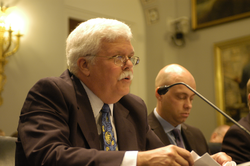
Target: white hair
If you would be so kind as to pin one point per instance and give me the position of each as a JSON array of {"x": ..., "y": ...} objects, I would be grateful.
[{"x": 85, "y": 40}]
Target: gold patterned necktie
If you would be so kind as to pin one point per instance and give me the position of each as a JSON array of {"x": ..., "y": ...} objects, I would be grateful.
[{"x": 107, "y": 131}]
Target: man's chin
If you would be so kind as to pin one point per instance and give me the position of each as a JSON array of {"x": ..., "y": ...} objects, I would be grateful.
[{"x": 125, "y": 91}]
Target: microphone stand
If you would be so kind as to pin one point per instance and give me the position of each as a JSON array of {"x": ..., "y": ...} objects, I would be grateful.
[{"x": 164, "y": 89}]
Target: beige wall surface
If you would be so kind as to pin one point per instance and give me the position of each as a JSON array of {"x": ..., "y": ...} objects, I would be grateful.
[
  {"x": 42, "y": 54},
  {"x": 42, "y": 50}
]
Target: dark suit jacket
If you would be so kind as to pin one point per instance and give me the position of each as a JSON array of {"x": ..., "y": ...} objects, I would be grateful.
[
  {"x": 193, "y": 137},
  {"x": 57, "y": 126},
  {"x": 214, "y": 147},
  {"x": 236, "y": 142}
]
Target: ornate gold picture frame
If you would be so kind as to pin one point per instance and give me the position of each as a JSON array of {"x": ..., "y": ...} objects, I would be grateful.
[
  {"x": 212, "y": 12},
  {"x": 231, "y": 59}
]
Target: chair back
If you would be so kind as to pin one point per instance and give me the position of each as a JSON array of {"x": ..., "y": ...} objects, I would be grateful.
[{"x": 7, "y": 150}]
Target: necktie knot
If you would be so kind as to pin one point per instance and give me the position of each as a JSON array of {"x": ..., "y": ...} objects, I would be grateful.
[
  {"x": 176, "y": 133},
  {"x": 178, "y": 138},
  {"x": 105, "y": 108}
]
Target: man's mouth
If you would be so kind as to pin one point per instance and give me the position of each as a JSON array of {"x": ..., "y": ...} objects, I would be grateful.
[
  {"x": 127, "y": 75},
  {"x": 127, "y": 78},
  {"x": 185, "y": 114}
]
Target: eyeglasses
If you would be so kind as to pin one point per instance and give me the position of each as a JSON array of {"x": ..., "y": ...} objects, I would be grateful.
[{"x": 120, "y": 60}]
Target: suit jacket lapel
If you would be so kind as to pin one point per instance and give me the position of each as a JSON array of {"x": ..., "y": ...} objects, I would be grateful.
[
  {"x": 158, "y": 129},
  {"x": 85, "y": 116},
  {"x": 126, "y": 135},
  {"x": 188, "y": 138}
]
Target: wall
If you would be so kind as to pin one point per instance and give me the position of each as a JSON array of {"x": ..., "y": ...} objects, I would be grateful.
[
  {"x": 197, "y": 56},
  {"x": 42, "y": 54}
]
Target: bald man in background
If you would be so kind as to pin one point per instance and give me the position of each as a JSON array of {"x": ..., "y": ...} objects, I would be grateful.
[
  {"x": 173, "y": 108},
  {"x": 216, "y": 138}
]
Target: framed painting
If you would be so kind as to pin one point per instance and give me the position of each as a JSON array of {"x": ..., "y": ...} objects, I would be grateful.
[
  {"x": 212, "y": 12},
  {"x": 232, "y": 71}
]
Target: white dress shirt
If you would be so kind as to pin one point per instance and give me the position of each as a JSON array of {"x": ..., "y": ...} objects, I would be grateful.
[{"x": 130, "y": 157}]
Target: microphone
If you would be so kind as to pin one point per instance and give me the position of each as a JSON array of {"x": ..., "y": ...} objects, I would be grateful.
[{"x": 164, "y": 89}]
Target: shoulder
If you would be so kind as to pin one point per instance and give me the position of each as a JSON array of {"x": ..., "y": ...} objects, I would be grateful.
[
  {"x": 50, "y": 89},
  {"x": 151, "y": 118},
  {"x": 134, "y": 105},
  {"x": 153, "y": 122},
  {"x": 53, "y": 94},
  {"x": 245, "y": 122},
  {"x": 131, "y": 96},
  {"x": 191, "y": 129},
  {"x": 64, "y": 81},
  {"x": 133, "y": 100},
  {"x": 235, "y": 129},
  {"x": 151, "y": 115}
]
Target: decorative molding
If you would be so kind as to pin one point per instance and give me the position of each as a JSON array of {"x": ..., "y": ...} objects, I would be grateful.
[
  {"x": 152, "y": 15},
  {"x": 147, "y": 1}
]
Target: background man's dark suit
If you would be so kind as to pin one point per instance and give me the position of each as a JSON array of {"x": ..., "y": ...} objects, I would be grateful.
[
  {"x": 236, "y": 142},
  {"x": 193, "y": 137},
  {"x": 57, "y": 123}
]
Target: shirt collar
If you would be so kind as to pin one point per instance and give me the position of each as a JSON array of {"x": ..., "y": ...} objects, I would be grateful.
[
  {"x": 165, "y": 124},
  {"x": 95, "y": 102}
]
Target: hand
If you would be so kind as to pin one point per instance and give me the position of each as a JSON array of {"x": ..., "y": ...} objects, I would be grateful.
[
  {"x": 221, "y": 158},
  {"x": 169, "y": 155}
]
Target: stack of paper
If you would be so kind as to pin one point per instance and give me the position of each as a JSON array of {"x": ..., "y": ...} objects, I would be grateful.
[{"x": 207, "y": 160}]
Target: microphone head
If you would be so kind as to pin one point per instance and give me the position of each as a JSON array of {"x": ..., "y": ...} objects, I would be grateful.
[{"x": 163, "y": 90}]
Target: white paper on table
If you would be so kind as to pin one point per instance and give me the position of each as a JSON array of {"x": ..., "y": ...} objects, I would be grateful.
[{"x": 207, "y": 160}]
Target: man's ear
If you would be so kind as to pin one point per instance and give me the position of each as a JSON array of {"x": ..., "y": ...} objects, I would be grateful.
[
  {"x": 213, "y": 137},
  {"x": 157, "y": 95},
  {"x": 83, "y": 65}
]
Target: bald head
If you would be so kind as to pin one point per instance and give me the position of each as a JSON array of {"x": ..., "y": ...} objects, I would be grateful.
[
  {"x": 176, "y": 104},
  {"x": 174, "y": 73},
  {"x": 219, "y": 133}
]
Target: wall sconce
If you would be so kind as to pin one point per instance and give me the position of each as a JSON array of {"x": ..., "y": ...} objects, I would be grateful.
[{"x": 9, "y": 43}]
